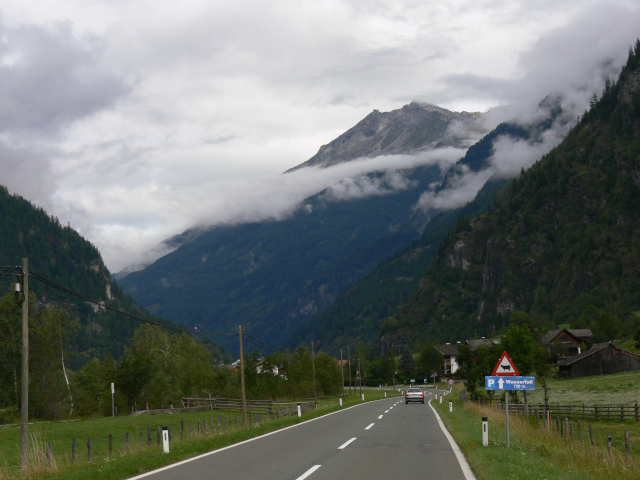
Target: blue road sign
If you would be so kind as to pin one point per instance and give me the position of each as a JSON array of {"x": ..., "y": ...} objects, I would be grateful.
[{"x": 510, "y": 383}]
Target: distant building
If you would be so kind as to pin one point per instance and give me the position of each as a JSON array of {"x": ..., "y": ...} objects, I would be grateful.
[
  {"x": 601, "y": 359},
  {"x": 566, "y": 342},
  {"x": 449, "y": 352},
  {"x": 482, "y": 342}
]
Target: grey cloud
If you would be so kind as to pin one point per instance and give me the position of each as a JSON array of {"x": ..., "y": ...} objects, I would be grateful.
[{"x": 50, "y": 78}]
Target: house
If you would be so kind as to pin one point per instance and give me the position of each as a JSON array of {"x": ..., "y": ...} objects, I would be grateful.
[
  {"x": 566, "y": 342},
  {"x": 601, "y": 359},
  {"x": 449, "y": 352}
]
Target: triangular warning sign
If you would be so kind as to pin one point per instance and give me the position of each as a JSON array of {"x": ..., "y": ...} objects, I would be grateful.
[{"x": 505, "y": 367}]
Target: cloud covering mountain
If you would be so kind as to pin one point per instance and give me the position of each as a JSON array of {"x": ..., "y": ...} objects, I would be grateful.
[{"x": 135, "y": 121}]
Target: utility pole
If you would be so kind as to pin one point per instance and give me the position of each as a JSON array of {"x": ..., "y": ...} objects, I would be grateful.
[
  {"x": 24, "y": 397},
  {"x": 244, "y": 398},
  {"x": 313, "y": 371},
  {"x": 349, "y": 355},
  {"x": 342, "y": 372}
]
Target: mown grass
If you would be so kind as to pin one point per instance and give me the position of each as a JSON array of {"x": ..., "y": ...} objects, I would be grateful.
[
  {"x": 140, "y": 458},
  {"x": 601, "y": 390},
  {"x": 534, "y": 452}
]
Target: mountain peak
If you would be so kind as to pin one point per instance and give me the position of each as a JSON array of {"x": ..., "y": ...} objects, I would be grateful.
[{"x": 410, "y": 129}]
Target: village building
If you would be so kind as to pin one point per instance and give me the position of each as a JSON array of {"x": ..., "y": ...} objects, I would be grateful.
[
  {"x": 564, "y": 342},
  {"x": 601, "y": 359}
]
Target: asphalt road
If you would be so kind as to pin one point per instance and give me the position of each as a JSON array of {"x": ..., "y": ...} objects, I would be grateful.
[{"x": 376, "y": 440}]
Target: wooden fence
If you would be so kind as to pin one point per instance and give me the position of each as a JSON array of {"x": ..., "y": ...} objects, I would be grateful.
[{"x": 619, "y": 412}]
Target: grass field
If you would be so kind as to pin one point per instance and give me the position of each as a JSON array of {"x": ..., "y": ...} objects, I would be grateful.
[
  {"x": 536, "y": 453},
  {"x": 140, "y": 457}
]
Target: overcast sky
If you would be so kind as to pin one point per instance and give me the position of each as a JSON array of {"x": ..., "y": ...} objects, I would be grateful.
[{"x": 134, "y": 120}]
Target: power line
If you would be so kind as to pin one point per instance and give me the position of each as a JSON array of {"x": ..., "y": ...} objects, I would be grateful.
[
  {"x": 121, "y": 312},
  {"x": 258, "y": 343}
]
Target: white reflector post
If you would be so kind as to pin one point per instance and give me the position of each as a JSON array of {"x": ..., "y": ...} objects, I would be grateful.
[
  {"x": 485, "y": 431},
  {"x": 165, "y": 439}
]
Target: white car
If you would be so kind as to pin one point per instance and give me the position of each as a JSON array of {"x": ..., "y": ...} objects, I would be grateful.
[{"x": 414, "y": 395}]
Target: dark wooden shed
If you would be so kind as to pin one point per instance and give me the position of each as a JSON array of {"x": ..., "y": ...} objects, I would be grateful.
[{"x": 601, "y": 359}]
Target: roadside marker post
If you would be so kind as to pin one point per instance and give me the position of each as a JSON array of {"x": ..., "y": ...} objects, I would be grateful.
[
  {"x": 450, "y": 406},
  {"x": 485, "y": 431},
  {"x": 165, "y": 439},
  {"x": 299, "y": 411}
]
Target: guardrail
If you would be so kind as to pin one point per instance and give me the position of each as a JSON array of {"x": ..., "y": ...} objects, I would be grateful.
[{"x": 265, "y": 406}]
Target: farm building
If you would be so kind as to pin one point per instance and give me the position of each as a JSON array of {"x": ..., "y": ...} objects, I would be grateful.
[
  {"x": 601, "y": 359},
  {"x": 449, "y": 352},
  {"x": 566, "y": 342}
]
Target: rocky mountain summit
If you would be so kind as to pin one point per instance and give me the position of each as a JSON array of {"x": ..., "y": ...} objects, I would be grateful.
[{"x": 407, "y": 130}]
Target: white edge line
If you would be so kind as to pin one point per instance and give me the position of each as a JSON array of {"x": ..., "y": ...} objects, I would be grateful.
[
  {"x": 346, "y": 444},
  {"x": 308, "y": 472},
  {"x": 198, "y": 457},
  {"x": 370, "y": 425},
  {"x": 466, "y": 469}
]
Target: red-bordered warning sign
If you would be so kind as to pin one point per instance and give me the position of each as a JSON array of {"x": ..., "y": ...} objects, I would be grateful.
[{"x": 505, "y": 367}]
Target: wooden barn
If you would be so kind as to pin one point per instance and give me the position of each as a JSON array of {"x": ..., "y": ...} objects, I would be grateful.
[{"x": 601, "y": 359}]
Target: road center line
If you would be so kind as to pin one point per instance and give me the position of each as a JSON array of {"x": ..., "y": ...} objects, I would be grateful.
[
  {"x": 371, "y": 425},
  {"x": 379, "y": 417},
  {"x": 309, "y": 472},
  {"x": 345, "y": 444},
  {"x": 386, "y": 411}
]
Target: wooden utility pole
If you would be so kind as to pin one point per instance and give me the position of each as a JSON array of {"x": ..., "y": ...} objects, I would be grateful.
[
  {"x": 24, "y": 398},
  {"x": 244, "y": 398},
  {"x": 342, "y": 372},
  {"x": 349, "y": 355},
  {"x": 313, "y": 371}
]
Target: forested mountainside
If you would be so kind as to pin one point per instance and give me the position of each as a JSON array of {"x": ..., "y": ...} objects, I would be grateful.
[
  {"x": 561, "y": 242},
  {"x": 59, "y": 254},
  {"x": 271, "y": 276}
]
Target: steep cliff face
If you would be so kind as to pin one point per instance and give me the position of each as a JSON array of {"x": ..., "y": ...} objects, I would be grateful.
[
  {"x": 561, "y": 238},
  {"x": 407, "y": 130}
]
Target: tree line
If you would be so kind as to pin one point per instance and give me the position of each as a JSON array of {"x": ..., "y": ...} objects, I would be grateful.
[{"x": 156, "y": 369}]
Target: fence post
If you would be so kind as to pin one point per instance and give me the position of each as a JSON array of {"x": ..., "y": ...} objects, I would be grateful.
[
  {"x": 89, "y": 448},
  {"x": 579, "y": 432},
  {"x": 73, "y": 449},
  {"x": 609, "y": 444},
  {"x": 627, "y": 446},
  {"x": 198, "y": 427},
  {"x": 148, "y": 435},
  {"x": 139, "y": 438},
  {"x": 622, "y": 412},
  {"x": 566, "y": 428},
  {"x": 219, "y": 424},
  {"x": 49, "y": 454},
  {"x": 596, "y": 410},
  {"x": 593, "y": 444},
  {"x": 226, "y": 428}
]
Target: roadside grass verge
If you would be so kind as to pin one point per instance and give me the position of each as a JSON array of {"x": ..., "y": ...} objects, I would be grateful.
[
  {"x": 140, "y": 458},
  {"x": 536, "y": 453}
]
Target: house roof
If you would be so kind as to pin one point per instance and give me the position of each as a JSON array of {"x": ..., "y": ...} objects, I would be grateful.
[
  {"x": 553, "y": 334},
  {"x": 595, "y": 349},
  {"x": 578, "y": 333},
  {"x": 448, "y": 349},
  {"x": 581, "y": 333},
  {"x": 482, "y": 342}
]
